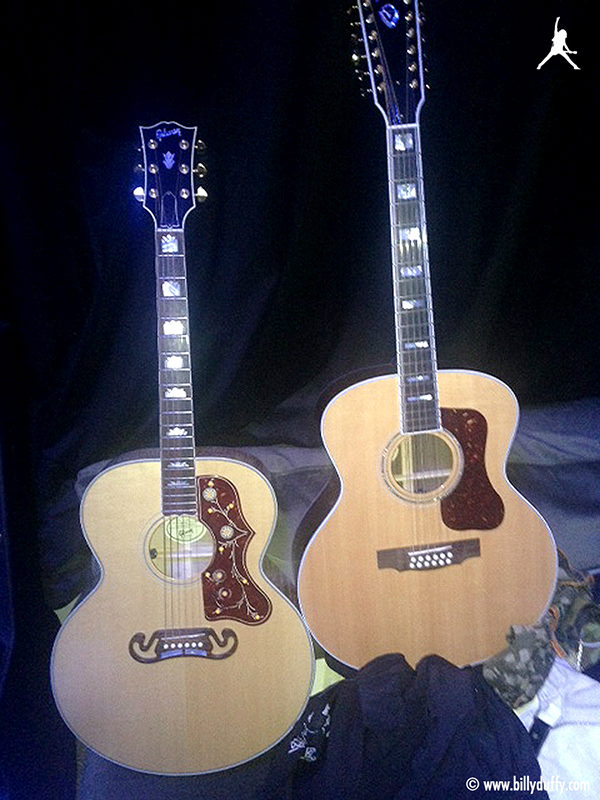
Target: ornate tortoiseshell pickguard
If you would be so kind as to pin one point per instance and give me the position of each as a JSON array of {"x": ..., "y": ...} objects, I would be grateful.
[{"x": 228, "y": 589}]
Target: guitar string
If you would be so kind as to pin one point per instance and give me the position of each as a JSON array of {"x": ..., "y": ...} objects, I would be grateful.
[
  {"x": 182, "y": 555},
  {"x": 415, "y": 335},
  {"x": 173, "y": 525},
  {"x": 165, "y": 407},
  {"x": 169, "y": 542},
  {"x": 189, "y": 549},
  {"x": 183, "y": 566},
  {"x": 412, "y": 299},
  {"x": 400, "y": 259},
  {"x": 434, "y": 455}
]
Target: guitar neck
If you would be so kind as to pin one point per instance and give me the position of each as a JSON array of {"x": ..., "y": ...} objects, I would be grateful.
[
  {"x": 175, "y": 376},
  {"x": 415, "y": 338}
]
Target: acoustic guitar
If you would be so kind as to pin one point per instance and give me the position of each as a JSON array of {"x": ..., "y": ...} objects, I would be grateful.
[
  {"x": 184, "y": 659},
  {"x": 428, "y": 548}
]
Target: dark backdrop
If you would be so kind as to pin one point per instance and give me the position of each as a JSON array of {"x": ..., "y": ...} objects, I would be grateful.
[{"x": 289, "y": 258}]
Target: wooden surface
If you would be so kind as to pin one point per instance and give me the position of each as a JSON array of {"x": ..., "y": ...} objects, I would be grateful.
[
  {"x": 187, "y": 714},
  {"x": 357, "y": 611}
]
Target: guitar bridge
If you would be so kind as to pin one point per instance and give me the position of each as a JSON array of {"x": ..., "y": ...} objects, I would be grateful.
[
  {"x": 200, "y": 642},
  {"x": 426, "y": 557}
]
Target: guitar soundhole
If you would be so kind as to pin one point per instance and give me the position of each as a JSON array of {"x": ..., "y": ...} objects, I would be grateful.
[
  {"x": 180, "y": 548},
  {"x": 422, "y": 466}
]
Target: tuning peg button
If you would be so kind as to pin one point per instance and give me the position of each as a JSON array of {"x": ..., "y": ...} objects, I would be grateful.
[
  {"x": 200, "y": 170},
  {"x": 200, "y": 146},
  {"x": 201, "y": 194}
]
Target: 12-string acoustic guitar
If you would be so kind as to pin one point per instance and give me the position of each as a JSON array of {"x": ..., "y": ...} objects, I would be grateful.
[
  {"x": 184, "y": 659},
  {"x": 428, "y": 548}
]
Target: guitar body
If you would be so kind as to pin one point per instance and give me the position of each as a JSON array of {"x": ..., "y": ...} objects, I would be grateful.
[
  {"x": 187, "y": 713},
  {"x": 445, "y": 573}
]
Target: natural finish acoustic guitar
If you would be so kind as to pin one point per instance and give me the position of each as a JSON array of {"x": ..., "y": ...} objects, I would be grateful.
[
  {"x": 184, "y": 658},
  {"x": 428, "y": 548}
]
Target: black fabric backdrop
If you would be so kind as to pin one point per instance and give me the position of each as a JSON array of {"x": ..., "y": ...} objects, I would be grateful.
[{"x": 289, "y": 258}]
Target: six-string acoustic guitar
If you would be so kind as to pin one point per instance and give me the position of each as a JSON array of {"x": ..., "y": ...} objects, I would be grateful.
[
  {"x": 428, "y": 548},
  {"x": 184, "y": 659}
]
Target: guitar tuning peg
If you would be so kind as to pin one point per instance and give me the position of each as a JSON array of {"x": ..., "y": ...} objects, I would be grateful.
[
  {"x": 200, "y": 170},
  {"x": 201, "y": 194},
  {"x": 139, "y": 194},
  {"x": 200, "y": 146}
]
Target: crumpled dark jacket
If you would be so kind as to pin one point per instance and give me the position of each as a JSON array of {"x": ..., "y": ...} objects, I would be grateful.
[{"x": 391, "y": 732}]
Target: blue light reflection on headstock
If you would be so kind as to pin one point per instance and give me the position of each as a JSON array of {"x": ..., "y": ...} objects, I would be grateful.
[
  {"x": 168, "y": 150},
  {"x": 392, "y": 43},
  {"x": 389, "y": 15}
]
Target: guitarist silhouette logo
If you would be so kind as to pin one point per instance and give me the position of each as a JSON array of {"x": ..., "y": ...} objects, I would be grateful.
[{"x": 559, "y": 47}]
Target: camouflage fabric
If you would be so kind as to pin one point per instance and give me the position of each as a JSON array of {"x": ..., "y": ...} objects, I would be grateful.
[{"x": 571, "y": 622}]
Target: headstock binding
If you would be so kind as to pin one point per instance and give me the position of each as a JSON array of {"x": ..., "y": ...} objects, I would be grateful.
[
  {"x": 387, "y": 37},
  {"x": 168, "y": 165}
]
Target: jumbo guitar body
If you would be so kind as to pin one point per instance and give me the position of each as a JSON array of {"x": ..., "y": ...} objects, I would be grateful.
[
  {"x": 184, "y": 659},
  {"x": 428, "y": 549},
  {"x": 391, "y": 572},
  {"x": 186, "y": 713}
]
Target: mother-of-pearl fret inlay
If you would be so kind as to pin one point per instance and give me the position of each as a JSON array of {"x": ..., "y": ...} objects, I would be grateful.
[
  {"x": 406, "y": 191},
  {"x": 177, "y": 432},
  {"x": 419, "y": 397},
  {"x": 174, "y": 362},
  {"x": 403, "y": 142},
  {"x": 407, "y": 305},
  {"x": 169, "y": 243},
  {"x": 410, "y": 234},
  {"x": 412, "y": 271},
  {"x": 175, "y": 392},
  {"x": 173, "y": 327},
  {"x": 171, "y": 288}
]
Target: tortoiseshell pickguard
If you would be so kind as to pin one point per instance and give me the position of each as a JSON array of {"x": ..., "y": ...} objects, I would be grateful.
[
  {"x": 229, "y": 591},
  {"x": 474, "y": 504}
]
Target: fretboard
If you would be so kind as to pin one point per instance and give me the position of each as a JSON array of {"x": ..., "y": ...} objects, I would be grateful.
[
  {"x": 175, "y": 377},
  {"x": 415, "y": 340}
]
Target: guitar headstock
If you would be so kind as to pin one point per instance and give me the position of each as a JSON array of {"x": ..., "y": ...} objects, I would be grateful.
[
  {"x": 168, "y": 151},
  {"x": 391, "y": 51}
]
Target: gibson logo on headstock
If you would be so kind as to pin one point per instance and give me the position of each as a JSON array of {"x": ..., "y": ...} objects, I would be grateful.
[{"x": 162, "y": 134}]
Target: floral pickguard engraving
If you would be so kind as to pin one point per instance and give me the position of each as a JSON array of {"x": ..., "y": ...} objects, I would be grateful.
[
  {"x": 474, "y": 504},
  {"x": 229, "y": 591}
]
